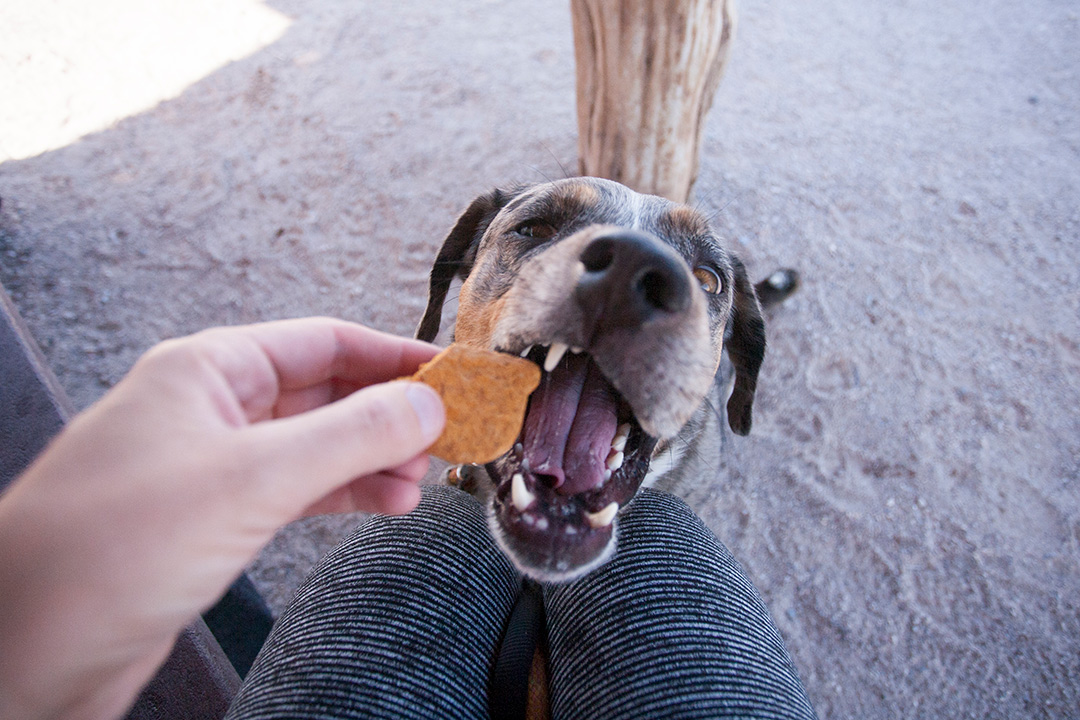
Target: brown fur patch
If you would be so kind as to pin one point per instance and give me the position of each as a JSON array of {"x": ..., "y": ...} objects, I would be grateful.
[
  {"x": 476, "y": 318},
  {"x": 686, "y": 220},
  {"x": 584, "y": 194}
]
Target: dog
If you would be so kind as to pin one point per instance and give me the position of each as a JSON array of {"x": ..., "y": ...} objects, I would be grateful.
[{"x": 628, "y": 302}]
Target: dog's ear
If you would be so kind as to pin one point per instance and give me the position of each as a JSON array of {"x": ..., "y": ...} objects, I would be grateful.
[
  {"x": 457, "y": 256},
  {"x": 745, "y": 342}
]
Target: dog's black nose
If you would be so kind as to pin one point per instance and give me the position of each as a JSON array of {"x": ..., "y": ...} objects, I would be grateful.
[{"x": 631, "y": 278}]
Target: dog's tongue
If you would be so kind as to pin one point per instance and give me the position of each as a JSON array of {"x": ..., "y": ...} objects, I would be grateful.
[{"x": 570, "y": 424}]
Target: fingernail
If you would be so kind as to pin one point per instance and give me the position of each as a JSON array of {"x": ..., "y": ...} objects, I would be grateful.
[{"x": 428, "y": 407}]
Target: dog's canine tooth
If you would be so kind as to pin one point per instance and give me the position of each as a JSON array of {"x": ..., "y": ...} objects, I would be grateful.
[
  {"x": 615, "y": 460},
  {"x": 453, "y": 475},
  {"x": 519, "y": 494},
  {"x": 555, "y": 354},
  {"x": 526, "y": 351},
  {"x": 622, "y": 434},
  {"x": 603, "y": 518}
]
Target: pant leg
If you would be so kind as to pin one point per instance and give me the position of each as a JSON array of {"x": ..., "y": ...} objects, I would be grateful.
[
  {"x": 670, "y": 628},
  {"x": 401, "y": 620}
]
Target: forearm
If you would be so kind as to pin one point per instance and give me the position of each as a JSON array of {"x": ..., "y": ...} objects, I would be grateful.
[
  {"x": 71, "y": 641},
  {"x": 55, "y": 660}
]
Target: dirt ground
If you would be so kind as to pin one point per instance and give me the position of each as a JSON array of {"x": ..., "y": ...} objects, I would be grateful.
[{"x": 908, "y": 501}]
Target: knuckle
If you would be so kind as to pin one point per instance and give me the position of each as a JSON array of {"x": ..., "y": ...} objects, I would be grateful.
[{"x": 184, "y": 354}]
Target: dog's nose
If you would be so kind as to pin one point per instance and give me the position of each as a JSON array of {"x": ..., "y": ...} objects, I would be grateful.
[{"x": 631, "y": 278}]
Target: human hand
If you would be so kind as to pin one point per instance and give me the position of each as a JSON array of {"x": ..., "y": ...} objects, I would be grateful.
[{"x": 143, "y": 511}]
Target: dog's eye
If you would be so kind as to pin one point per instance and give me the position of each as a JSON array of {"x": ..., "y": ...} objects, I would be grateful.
[
  {"x": 709, "y": 279},
  {"x": 536, "y": 229}
]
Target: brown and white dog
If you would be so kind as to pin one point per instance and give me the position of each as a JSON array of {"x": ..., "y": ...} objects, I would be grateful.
[{"x": 627, "y": 302}]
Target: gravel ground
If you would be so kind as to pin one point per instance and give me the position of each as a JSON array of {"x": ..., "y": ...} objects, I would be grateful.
[{"x": 908, "y": 501}]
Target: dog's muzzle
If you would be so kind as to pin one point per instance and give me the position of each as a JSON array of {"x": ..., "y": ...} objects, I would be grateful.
[{"x": 589, "y": 431}]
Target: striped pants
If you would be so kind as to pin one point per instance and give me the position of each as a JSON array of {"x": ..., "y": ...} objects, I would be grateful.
[{"x": 405, "y": 617}]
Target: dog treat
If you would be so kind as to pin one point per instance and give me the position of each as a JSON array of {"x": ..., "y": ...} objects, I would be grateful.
[{"x": 485, "y": 394}]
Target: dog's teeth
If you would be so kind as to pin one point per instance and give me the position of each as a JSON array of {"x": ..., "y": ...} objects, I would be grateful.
[
  {"x": 519, "y": 494},
  {"x": 555, "y": 354},
  {"x": 526, "y": 351},
  {"x": 615, "y": 460},
  {"x": 576, "y": 350},
  {"x": 453, "y": 475},
  {"x": 607, "y": 475},
  {"x": 603, "y": 518},
  {"x": 618, "y": 443}
]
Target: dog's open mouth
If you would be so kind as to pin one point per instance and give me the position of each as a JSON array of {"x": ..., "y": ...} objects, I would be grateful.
[{"x": 580, "y": 457}]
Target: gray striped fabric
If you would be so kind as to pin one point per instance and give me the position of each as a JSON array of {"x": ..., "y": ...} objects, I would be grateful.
[
  {"x": 403, "y": 620},
  {"x": 670, "y": 628}
]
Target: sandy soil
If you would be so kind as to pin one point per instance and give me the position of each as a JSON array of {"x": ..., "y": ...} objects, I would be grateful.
[{"x": 908, "y": 502}]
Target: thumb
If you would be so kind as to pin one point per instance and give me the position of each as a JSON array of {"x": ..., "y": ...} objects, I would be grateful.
[{"x": 304, "y": 457}]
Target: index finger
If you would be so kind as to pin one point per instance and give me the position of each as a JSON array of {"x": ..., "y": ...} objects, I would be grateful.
[
  {"x": 261, "y": 362},
  {"x": 309, "y": 351}
]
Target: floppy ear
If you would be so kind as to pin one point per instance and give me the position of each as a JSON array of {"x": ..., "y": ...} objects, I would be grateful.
[
  {"x": 456, "y": 257},
  {"x": 745, "y": 344}
]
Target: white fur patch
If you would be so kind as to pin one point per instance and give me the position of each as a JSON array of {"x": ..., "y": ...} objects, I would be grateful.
[
  {"x": 637, "y": 204},
  {"x": 662, "y": 464}
]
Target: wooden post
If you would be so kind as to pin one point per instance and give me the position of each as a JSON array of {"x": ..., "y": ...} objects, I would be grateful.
[{"x": 647, "y": 72}]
